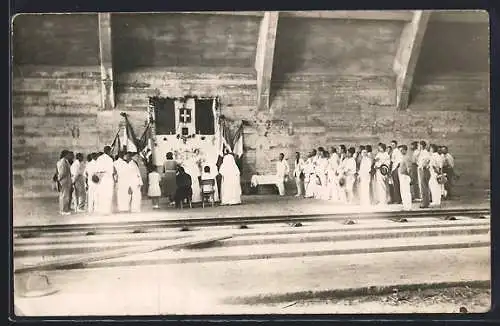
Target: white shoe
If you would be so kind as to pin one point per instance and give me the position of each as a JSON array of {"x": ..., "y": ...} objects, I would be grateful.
[{"x": 65, "y": 213}]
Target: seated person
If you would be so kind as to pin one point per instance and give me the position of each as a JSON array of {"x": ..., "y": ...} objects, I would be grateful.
[
  {"x": 184, "y": 191},
  {"x": 207, "y": 174}
]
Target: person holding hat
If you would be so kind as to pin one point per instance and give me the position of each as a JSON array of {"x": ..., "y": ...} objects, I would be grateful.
[
  {"x": 435, "y": 166},
  {"x": 104, "y": 174},
  {"x": 382, "y": 163}
]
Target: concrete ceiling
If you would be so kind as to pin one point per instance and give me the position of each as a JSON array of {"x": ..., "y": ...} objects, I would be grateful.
[{"x": 465, "y": 16}]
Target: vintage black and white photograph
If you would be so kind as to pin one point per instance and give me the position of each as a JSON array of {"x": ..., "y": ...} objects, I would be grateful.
[{"x": 251, "y": 162}]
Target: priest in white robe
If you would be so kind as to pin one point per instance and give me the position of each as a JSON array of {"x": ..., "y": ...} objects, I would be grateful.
[
  {"x": 105, "y": 171},
  {"x": 230, "y": 185}
]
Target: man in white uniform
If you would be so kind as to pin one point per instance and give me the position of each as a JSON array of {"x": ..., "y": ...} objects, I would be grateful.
[
  {"x": 105, "y": 171},
  {"x": 282, "y": 170},
  {"x": 122, "y": 182},
  {"x": 298, "y": 174},
  {"x": 135, "y": 185},
  {"x": 78, "y": 179},
  {"x": 404, "y": 177},
  {"x": 91, "y": 185}
]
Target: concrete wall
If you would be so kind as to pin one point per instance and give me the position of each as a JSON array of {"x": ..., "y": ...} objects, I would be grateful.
[
  {"x": 59, "y": 40},
  {"x": 451, "y": 90},
  {"x": 56, "y": 94},
  {"x": 173, "y": 40},
  {"x": 332, "y": 83}
]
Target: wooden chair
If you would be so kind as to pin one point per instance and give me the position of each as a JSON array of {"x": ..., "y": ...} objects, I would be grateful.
[
  {"x": 188, "y": 201},
  {"x": 207, "y": 191}
]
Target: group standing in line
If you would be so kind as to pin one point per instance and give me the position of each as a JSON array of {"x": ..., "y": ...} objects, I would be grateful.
[
  {"x": 106, "y": 184},
  {"x": 395, "y": 174},
  {"x": 98, "y": 183}
]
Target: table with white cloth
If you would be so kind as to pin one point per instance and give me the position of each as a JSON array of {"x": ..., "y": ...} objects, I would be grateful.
[{"x": 266, "y": 179}]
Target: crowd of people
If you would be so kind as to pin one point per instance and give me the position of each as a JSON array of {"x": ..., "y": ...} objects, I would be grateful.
[
  {"x": 104, "y": 183},
  {"x": 99, "y": 182},
  {"x": 394, "y": 174}
]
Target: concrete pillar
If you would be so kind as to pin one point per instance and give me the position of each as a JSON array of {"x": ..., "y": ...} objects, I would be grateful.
[
  {"x": 265, "y": 57},
  {"x": 407, "y": 56},
  {"x": 106, "y": 59}
]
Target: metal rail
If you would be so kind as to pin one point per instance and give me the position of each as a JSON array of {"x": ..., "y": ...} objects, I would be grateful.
[{"x": 235, "y": 221}]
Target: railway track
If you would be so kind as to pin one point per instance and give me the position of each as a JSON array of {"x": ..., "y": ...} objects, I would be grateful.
[{"x": 158, "y": 225}]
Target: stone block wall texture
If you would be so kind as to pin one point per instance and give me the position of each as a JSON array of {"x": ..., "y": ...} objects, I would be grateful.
[{"x": 332, "y": 84}]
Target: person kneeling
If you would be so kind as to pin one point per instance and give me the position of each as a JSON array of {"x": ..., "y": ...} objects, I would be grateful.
[{"x": 184, "y": 190}]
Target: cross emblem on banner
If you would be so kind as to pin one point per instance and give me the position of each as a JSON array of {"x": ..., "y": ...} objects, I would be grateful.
[{"x": 185, "y": 115}]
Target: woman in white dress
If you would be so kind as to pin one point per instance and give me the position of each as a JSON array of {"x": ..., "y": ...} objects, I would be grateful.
[
  {"x": 230, "y": 185},
  {"x": 364, "y": 177},
  {"x": 380, "y": 181},
  {"x": 349, "y": 172},
  {"x": 435, "y": 166}
]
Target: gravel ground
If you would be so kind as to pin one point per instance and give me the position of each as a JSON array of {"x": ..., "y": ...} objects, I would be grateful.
[{"x": 449, "y": 300}]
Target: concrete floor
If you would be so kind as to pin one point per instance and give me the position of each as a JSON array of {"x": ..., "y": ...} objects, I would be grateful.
[
  {"x": 44, "y": 211},
  {"x": 218, "y": 287}
]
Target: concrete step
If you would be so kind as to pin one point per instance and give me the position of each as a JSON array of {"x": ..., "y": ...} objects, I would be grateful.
[
  {"x": 252, "y": 240},
  {"x": 217, "y": 287},
  {"x": 288, "y": 250},
  {"x": 253, "y": 230}
]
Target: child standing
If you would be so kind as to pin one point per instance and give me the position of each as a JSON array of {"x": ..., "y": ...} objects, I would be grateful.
[{"x": 154, "y": 190}]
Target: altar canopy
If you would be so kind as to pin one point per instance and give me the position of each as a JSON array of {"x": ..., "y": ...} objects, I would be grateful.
[
  {"x": 189, "y": 127},
  {"x": 192, "y": 126}
]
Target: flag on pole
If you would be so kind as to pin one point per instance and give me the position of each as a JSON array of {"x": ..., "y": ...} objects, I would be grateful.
[
  {"x": 116, "y": 146},
  {"x": 238, "y": 142},
  {"x": 129, "y": 140},
  {"x": 225, "y": 138},
  {"x": 146, "y": 144}
]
